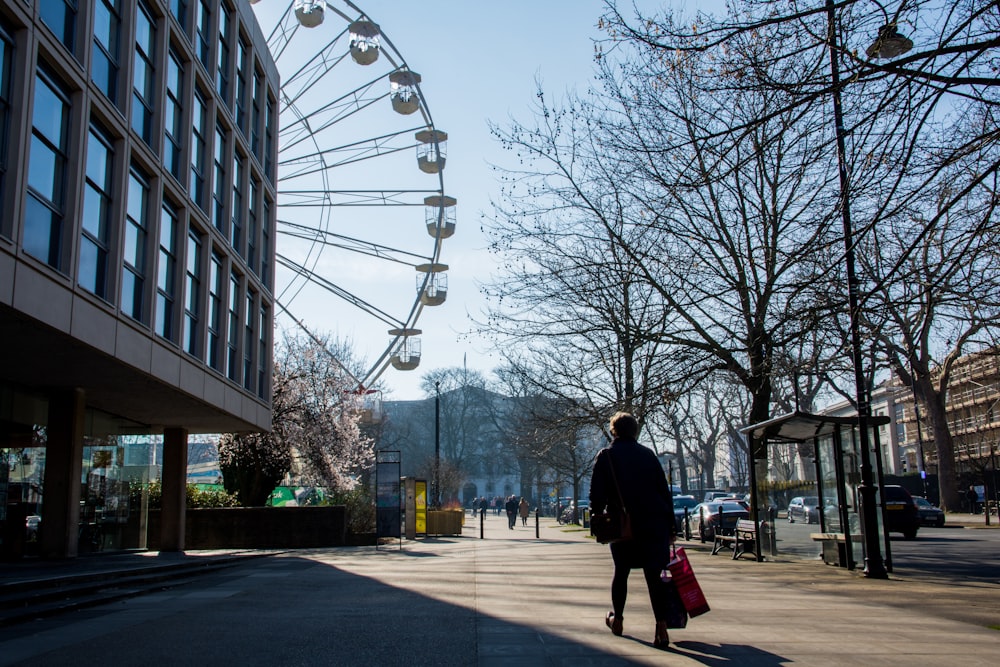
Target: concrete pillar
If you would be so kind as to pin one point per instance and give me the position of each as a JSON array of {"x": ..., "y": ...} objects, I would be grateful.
[
  {"x": 63, "y": 466},
  {"x": 174, "y": 489}
]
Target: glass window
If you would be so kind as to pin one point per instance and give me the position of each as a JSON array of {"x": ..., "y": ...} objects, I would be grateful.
[
  {"x": 204, "y": 34},
  {"x": 173, "y": 115},
  {"x": 222, "y": 62},
  {"x": 262, "y": 350},
  {"x": 134, "y": 270},
  {"x": 179, "y": 8},
  {"x": 249, "y": 341},
  {"x": 265, "y": 243},
  {"x": 104, "y": 69},
  {"x": 192, "y": 294},
  {"x": 143, "y": 76},
  {"x": 166, "y": 273},
  {"x": 269, "y": 120},
  {"x": 215, "y": 278},
  {"x": 44, "y": 206},
  {"x": 97, "y": 223},
  {"x": 196, "y": 188},
  {"x": 242, "y": 70},
  {"x": 252, "y": 226},
  {"x": 236, "y": 235},
  {"x": 233, "y": 333},
  {"x": 60, "y": 17},
  {"x": 6, "y": 57},
  {"x": 219, "y": 180},
  {"x": 257, "y": 114}
]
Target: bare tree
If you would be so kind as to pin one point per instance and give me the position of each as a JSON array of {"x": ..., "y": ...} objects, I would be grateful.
[
  {"x": 739, "y": 228},
  {"x": 921, "y": 93},
  {"x": 569, "y": 310},
  {"x": 932, "y": 311}
]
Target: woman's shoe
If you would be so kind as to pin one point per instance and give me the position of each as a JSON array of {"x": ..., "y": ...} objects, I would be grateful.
[
  {"x": 614, "y": 623},
  {"x": 661, "y": 639}
]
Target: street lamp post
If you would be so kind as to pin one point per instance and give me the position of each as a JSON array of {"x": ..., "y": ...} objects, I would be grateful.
[
  {"x": 437, "y": 445},
  {"x": 874, "y": 565}
]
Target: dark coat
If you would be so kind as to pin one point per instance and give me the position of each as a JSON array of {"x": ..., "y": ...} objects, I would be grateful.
[{"x": 646, "y": 495}]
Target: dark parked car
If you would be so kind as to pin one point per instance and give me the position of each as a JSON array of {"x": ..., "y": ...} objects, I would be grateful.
[
  {"x": 930, "y": 515},
  {"x": 705, "y": 518},
  {"x": 900, "y": 512},
  {"x": 804, "y": 508},
  {"x": 682, "y": 503}
]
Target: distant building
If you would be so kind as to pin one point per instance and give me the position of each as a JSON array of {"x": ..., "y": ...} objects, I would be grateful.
[
  {"x": 138, "y": 143},
  {"x": 474, "y": 461},
  {"x": 973, "y": 419}
]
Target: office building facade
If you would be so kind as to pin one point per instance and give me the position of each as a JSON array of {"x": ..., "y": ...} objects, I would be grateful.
[{"x": 138, "y": 146}]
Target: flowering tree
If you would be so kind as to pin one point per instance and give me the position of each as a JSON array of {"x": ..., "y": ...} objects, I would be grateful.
[{"x": 315, "y": 437}]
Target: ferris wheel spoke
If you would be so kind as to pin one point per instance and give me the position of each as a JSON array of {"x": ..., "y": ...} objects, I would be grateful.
[
  {"x": 312, "y": 198},
  {"x": 281, "y": 35},
  {"x": 362, "y": 246},
  {"x": 369, "y": 149},
  {"x": 307, "y": 126},
  {"x": 338, "y": 291}
]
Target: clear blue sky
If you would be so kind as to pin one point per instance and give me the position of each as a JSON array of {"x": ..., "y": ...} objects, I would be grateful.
[{"x": 479, "y": 62}]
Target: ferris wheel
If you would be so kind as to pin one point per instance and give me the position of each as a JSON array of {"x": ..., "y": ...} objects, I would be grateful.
[{"x": 362, "y": 210}]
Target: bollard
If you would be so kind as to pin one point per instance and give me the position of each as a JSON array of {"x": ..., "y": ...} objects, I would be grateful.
[
  {"x": 482, "y": 521},
  {"x": 687, "y": 525},
  {"x": 536, "y": 523}
]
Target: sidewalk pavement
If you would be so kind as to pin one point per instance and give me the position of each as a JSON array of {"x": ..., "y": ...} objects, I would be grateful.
[
  {"x": 514, "y": 599},
  {"x": 967, "y": 520}
]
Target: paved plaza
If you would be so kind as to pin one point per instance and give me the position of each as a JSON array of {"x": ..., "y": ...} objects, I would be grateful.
[{"x": 514, "y": 599}]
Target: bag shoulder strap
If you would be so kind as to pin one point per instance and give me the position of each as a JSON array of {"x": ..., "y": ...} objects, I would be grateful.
[{"x": 614, "y": 477}]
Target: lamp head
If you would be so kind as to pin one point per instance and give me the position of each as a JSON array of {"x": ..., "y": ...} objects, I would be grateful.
[{"x": 889, "y": 43}]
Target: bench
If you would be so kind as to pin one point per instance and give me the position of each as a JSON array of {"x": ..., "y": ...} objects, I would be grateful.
[
  {"x": 834, "y": 547},
  {"x": 743, "y": 538},
  {"x": 746, "y": 534}
]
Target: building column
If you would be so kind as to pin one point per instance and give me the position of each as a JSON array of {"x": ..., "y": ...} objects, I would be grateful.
[
  {"x": 59, "y": 532},
  {"x": 174, "y": 489}
]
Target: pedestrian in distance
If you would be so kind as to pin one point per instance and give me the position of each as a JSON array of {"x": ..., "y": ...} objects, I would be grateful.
[
  {"x": 511, "y": 507},
  {"x": 524, "y": 509},
  {"x": 629, "y": 473},
  {"x": 973, "y": 497}
]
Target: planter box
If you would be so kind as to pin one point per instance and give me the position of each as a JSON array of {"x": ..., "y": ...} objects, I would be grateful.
[
  {"x": 258, "y": 528},
  {"x": 445, "y": 522}
]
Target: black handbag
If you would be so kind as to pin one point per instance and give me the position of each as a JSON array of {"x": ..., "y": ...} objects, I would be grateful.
[
  {"x": 677, "y": 616},
  {"x": 614, "y": 524}
]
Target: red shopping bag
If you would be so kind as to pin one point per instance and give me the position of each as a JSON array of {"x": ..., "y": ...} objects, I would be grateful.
[{"x": 687, "y": 585}]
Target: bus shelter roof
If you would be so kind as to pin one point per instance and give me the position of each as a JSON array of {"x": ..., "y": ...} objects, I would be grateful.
[{"x": 802, "y": 426}]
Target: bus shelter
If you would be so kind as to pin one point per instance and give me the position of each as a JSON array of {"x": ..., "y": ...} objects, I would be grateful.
[{"x": 815, "y": 461}]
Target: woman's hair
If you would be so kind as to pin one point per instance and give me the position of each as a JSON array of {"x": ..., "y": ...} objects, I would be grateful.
[{"x": 624, "y": 425}]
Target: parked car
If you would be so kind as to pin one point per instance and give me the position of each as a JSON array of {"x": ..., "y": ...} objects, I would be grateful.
[
  {"x": 682, "y": 503},
  {"x": 831, "y": 515},
  {"x": 900, "y": 512},
  {"x": 705, "y": 518},
  {"x": 804, "y": 508},
  {"x": 715, "y": 494},
  {"x": 930, "y": 514}
]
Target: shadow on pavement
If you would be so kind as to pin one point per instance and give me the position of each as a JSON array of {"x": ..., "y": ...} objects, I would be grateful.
[{"x": 726, "y": 655}]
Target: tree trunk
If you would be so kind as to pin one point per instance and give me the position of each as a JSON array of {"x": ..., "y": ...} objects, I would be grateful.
[{"x": 945, "y": 445}]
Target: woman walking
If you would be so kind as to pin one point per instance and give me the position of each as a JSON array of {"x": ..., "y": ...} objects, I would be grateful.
[
  {"x": 630, "y": 474},
  {"x": 523, "y": 509}
]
